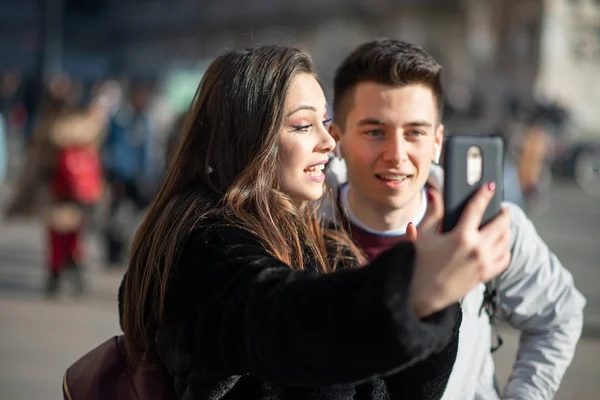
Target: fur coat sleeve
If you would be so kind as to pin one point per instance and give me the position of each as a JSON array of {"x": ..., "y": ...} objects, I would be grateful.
[{"x": 233, "y": 309}]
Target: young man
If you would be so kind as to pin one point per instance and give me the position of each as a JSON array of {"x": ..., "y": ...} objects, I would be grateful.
[{"x": 387, "y": 111}]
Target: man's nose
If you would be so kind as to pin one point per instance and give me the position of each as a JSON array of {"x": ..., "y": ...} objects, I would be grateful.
[{"x": 395, "y": 149}]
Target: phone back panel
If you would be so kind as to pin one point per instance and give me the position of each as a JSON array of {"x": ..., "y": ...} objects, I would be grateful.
[{"x": 457, "y": 189}]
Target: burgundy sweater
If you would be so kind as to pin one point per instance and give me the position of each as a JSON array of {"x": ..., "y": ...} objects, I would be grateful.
[{"x": 371, "y": 244}]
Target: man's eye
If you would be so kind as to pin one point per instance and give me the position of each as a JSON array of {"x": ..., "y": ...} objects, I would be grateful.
[
  {"x": 374, "y": 133},
  {"x": 414, "y": 133}
]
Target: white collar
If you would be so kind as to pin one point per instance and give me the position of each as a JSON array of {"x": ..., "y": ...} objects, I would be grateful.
[{"x": 391, "y": 232}]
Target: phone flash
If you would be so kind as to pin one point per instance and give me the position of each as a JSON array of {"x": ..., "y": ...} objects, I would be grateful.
[{"x": 474, "y": 165}]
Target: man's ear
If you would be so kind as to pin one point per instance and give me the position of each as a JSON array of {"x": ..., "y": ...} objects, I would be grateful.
[
  {"x": 439, "y": 141},
  {"x": 336, "y": 133}
]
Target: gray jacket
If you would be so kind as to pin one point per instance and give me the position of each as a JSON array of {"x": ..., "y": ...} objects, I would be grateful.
[{"x": 538, "y": 297}]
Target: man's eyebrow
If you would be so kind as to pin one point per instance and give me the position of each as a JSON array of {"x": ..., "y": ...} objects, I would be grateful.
[
  {"x": 419, "y": 123},
  {"x": 300, "y": 108},
  {"x": 373, "y": 121},
  {"x": 376, "y": 121}
]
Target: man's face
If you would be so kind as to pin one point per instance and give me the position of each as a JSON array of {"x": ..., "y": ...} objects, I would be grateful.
[{"x": 389, "y": 142}]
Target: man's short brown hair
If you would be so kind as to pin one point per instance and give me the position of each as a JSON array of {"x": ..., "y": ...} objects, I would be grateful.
[{"x": 388, "y": 62}]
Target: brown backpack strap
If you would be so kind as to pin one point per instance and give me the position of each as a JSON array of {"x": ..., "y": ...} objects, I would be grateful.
[
  {"x": 104, "y": 373},
  {"x": 149, "y": 384},
  {"x": 65, "y": 387},
  {"x": 99, "y": 374}
]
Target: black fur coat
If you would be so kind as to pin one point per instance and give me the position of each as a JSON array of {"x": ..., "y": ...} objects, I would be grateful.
[{"x": 239, "y": 324}]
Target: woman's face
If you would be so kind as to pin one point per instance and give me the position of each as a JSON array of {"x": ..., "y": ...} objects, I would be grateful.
[{"x": 304, "y": 141}]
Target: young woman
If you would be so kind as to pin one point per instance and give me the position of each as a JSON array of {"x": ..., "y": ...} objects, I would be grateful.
[{"x": 238, "y": 289}]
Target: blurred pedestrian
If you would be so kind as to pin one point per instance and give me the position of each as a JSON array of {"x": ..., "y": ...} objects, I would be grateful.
[
  {"x": 32, "y": 184},
  {"x": 3, "y": 151},
  {"x": 76, "y": 186},
  {"x": 532, "y": 165},
  {"x": 133, "y": 169}
]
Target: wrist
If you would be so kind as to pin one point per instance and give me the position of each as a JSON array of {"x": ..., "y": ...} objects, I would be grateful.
[
  {"x": 425, "y": 296},
  {"x": 420, "y": 307}
]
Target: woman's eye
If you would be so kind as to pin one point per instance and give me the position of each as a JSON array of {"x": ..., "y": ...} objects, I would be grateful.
[
  {"x": 327, "y": 122},
  {"x": 302, "y": 128}
]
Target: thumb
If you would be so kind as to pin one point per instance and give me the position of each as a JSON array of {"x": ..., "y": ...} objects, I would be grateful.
[
  {"x": 411, "y": 232},
  {"x": 435, "y": 210}
]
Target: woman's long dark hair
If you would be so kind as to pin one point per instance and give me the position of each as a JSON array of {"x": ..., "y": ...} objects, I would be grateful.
[{"x": 227, "y": 161}]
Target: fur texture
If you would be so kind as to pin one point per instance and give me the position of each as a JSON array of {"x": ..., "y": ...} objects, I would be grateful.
[{"x": 239, "y": 324}]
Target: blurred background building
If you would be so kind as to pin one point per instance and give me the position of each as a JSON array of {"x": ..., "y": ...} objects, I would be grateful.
[
  {"x": 510, "y": 66},
  {"x": 493, "y": 52},
  {"x": 488, "y": 48}
]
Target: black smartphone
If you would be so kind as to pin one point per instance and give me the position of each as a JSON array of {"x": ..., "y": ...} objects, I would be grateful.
[{"x": 469, "y": 162}]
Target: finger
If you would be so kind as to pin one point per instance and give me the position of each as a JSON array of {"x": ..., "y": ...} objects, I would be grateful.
[
  {"x": 433, "y": 183},
  {"x": 499, "y": 256},
  {"x": 435, "y": 210},
  {"x": 497, "y": 267},
  {"x": 500, "y": 247},
  {"x": 504, "y": 242},
  {"x": 473, "y": 213},
  {"x": 496, "y": 227},
  {"x": 411, "y": 232}
]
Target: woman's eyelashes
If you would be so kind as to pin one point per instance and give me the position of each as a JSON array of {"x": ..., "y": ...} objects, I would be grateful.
[
  {"x": 306, "y": 127},
  {"x": 302, "y": 128}
]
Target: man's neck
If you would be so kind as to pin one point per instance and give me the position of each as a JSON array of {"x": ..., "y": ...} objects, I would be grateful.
[{"x": 380, "y": 218}]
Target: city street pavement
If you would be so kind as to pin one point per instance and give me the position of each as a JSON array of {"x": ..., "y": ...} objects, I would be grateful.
[{"x": 39, "y": 338}]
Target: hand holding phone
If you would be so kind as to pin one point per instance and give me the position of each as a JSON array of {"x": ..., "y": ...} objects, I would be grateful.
[{"x": 449, "y": 265}]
